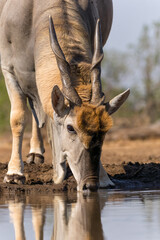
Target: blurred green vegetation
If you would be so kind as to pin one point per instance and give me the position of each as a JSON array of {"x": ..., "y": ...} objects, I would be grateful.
[
  {"x": 4, "y": 106},
  {"x": 139, "y": 69}
]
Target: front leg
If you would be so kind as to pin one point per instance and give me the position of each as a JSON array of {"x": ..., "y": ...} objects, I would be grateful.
[
  {"x": 104, "y": 180},
  {"x": 17, "y": 122},
  {"x": 36, "y": 145}
]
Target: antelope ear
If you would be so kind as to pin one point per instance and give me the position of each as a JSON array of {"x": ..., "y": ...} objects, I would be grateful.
[
  {"x": 58, "y": 100},
  {"x": 114, "y": 104}
]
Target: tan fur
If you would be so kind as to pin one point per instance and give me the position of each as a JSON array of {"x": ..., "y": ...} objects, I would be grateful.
[
  {"x": 90, "y": 120},
  {"x": 74, "y": 41},
  {"x": 47, "y": 73},
  {"x": 36, "y": 143},
  {"x": 18, "y": 117},
  {"x": 80, "y": 74}
]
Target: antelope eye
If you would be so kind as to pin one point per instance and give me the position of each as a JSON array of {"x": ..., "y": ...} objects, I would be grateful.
[{"x": 70, "y": 129}]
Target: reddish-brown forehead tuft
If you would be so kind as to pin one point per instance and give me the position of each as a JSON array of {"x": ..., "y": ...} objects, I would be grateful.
[{"x": 91, "y": 119}]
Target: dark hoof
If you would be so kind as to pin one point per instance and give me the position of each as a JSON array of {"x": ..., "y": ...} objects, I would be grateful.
[
  {"x": 39, "y": 159},
  {"x": 35, "y": 158},
  {"x": 30, "y": 158},
  {"x": 14, "y": 179}
]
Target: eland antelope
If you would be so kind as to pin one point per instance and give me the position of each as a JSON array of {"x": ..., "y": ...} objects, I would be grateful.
[{"x": 51, "y": 53}]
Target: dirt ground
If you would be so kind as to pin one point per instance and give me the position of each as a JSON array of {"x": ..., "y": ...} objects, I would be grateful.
[{"x": 133, "y": 162}]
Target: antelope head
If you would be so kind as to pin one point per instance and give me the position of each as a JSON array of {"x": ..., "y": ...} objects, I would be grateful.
[{"x": 79, "y": 128}]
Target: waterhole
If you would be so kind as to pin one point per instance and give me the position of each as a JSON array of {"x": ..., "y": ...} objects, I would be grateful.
[{"x": 110, "y": 215}]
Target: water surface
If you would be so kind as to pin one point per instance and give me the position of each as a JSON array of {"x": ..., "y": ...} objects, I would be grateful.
[{"x": 111, "y": 215}]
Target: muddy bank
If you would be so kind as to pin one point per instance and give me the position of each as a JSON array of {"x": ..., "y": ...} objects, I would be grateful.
[
  {"x": 137, "y": 176},
  {"x": 132, "y": 164},
  {"x": 38, "y": 179},
  {"x": 125, "y": 176}
]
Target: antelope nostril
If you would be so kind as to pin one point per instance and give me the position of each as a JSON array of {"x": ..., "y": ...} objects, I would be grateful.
[{"x": 92, "y": 186}]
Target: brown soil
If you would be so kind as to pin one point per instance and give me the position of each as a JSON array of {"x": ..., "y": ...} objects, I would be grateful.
[{"x": 132, "y": 164}]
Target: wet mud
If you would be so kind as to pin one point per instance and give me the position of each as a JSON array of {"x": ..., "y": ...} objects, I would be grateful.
[
  {"x": 130, "y": 164},
  {"x": 125, "y": 176},
  {"x": 38, "y": 179}
]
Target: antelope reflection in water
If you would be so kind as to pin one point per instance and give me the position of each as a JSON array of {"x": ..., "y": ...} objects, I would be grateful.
[
  {"x": 77, "y": 217},
  {"x": 16, "y": 210}
]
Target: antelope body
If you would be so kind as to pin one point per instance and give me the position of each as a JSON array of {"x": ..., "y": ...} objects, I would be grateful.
[{"x": 51, "y": 52}]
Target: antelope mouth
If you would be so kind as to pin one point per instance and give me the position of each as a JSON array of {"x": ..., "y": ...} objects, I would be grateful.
[{"x": 90, "y": 184}]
